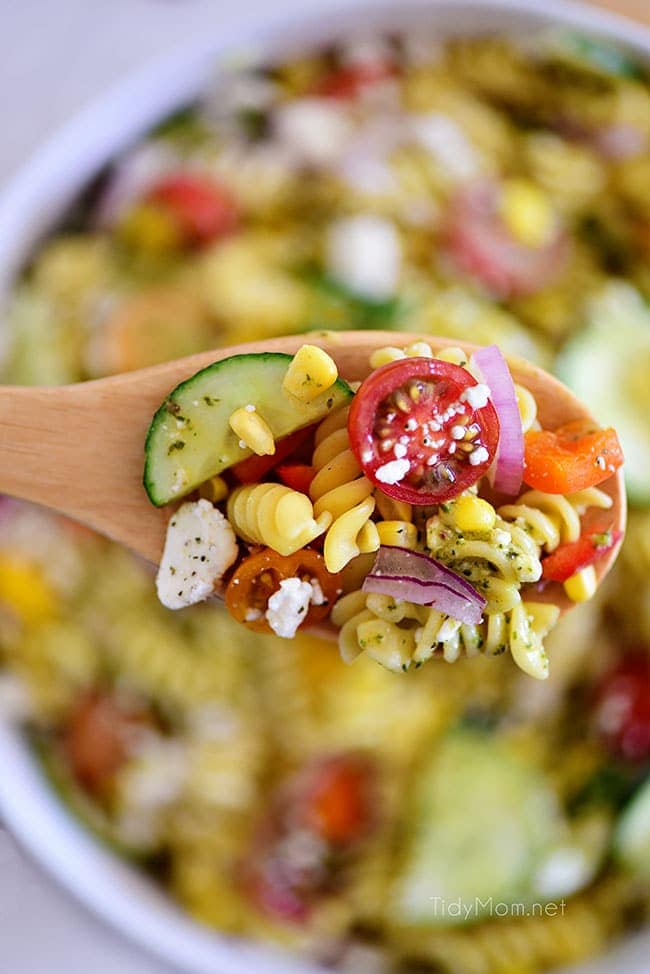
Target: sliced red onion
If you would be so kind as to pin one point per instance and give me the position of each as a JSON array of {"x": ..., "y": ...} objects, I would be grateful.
[
  {"x": 506, "y": 473},
  {"x": 416, "y": 577}
]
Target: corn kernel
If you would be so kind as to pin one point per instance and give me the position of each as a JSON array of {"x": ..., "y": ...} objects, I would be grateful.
[
  {"x": 150, "y": 230},
  {"x": 454, "y": 355},
  {"x": 527, "y": 407},
  {"x": 253, "y": 431},
  {"x": 527, "y": 213},
  {"x": 382, "y": 356},
  {"x": 400, "y": 534},
  {"x": 473, "y": 515},
  {"x": 419, "y": 350},
  {"x": 24, "y": 590},
  {"x": 311, "y": 372},
  {"x": 581, "y": 586},
  {"x": 214, "y": 490}
]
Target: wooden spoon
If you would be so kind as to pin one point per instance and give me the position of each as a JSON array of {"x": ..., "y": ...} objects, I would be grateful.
[{"x": 79, "y": 449}]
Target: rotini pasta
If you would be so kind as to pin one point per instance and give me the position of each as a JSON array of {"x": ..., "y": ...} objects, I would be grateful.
[
  {"x": 340, "y": 491},
  {"x": 276, "y": 516}
]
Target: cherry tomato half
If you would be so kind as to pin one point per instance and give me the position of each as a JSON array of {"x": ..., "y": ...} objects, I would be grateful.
[
  {"x": 258, "y": 577},
  {"x": 573, "y": 457},
  {"x": 203, "y": 209},
  {"x": 622, "y": 708},
  {"x": 416, "y": 434},
  {"x": 100, "y": 735},
  {"x": 570, "y": 558}
]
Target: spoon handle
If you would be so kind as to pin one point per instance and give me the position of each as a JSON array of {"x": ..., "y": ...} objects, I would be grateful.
[{"x": 63, "y": 448}]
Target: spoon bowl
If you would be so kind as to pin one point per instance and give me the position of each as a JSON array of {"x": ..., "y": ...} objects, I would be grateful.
[{"x": 79, "y": 449}]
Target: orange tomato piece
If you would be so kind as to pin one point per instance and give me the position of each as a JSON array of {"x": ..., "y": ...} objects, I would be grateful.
[
  {"x": 573, "y": 457},
  {"x": 258, "y": 577},
  {"x": 339, "y": 808}
]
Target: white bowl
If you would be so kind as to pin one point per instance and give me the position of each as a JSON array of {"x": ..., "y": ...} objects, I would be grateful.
[{"x": 29, "y": 207}]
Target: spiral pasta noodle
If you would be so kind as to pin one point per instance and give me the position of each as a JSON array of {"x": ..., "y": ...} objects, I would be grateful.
[
  {"x": 400, "y": 634},
  {"x": 341, "y": 493},
  {"x": 551, "y": 519},
  {"x": 277, "y": 516}
]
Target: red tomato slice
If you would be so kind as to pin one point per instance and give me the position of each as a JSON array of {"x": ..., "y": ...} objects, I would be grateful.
[
  {"x": 253, "y": 469},
  {"x": 298, "y": 476},
  {"x": 415, "y": 433},
  {"x": 481, "y": 246},
  {"x": 573, "y": 457},
  {"x": 570, "y": 558},
  {"x": 203, "y": 208},
  {"x": 622, "y": 708},
  {"x": 99, "y": 737},
  {"x": 350, "y": 80}
]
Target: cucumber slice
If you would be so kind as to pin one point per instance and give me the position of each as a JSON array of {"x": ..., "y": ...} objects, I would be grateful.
[
  {"x": 189, "y": 439},
  {"x": 607, "y": 365},
  {"x": 485, "y": 821},
  {"x": 632, "y": 836}
]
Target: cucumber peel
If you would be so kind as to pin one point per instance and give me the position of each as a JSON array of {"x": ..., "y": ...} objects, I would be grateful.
[
  {"x": 485, "y": 823},
  {"x": 189, "y": 439}
]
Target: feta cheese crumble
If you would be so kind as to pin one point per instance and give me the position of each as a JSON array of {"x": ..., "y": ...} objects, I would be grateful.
[
  {"x": 200, "y": 546},
  {"x": 476, "y": 396},
  {"x": 314, "y": 130},
  {"x": 448, "y": 144},
  {"x": 364, "y": 253},
  {"x": 479, "y": 455},
  {"x": 392, "y": 472},
  {"x": 288, "y": 606}
]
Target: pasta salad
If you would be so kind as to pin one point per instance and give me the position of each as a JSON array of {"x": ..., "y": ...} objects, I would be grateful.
[{"x": 386, "y": 530}]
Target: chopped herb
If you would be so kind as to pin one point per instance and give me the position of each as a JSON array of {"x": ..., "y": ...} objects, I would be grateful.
[
  {"x": 602, "y": 540},
  {"x": 210, "y": 400},
  {"x": 176, "y": 445},
  {"x": 172, "y": 407}
]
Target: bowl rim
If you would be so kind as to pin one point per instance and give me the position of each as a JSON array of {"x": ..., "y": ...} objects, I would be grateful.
[{"x": 36, "y": 817}]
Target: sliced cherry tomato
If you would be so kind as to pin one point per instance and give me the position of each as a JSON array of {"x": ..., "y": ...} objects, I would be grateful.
[
  {"x": 350, "y": 80},
  {"x": 203, "y": 209},
  {"x": 258, "y": 577},
  {"x": 416, "y": 434},
  {"x": 312, "y": 826},
  {"x": 575, "y": 456},
  {"x": 298, "y": 476},
  {"x": 253, "y": 469},
  {"x": 100, "y": 736},
  {"x": 622, "y": 708},
  {"x": 570, "y": 558},
  {"x": 481, "y": 246}
]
